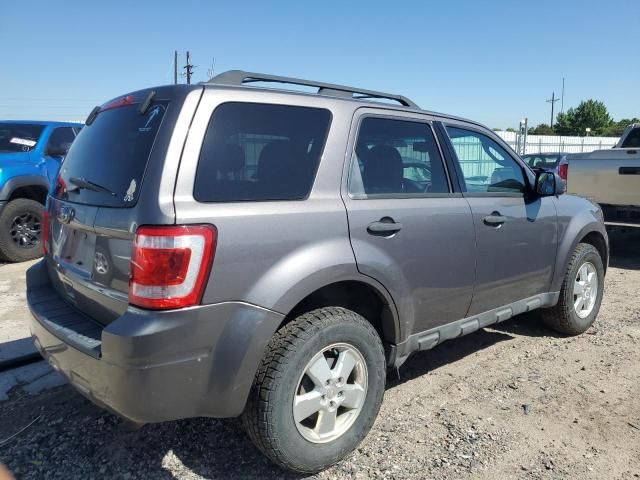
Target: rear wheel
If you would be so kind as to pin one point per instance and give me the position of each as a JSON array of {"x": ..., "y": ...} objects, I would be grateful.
[
  {"x": 581, "y": 293},
  {"x": 317, "y": 391},
  {"x": 21, "y": 230}
]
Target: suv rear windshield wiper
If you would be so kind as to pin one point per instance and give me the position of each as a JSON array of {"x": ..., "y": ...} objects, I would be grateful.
[{"x": 89, "y": 185}]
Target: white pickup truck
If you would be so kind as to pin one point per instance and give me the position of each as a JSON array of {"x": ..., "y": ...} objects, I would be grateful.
[{"x": 611, "y": 178}]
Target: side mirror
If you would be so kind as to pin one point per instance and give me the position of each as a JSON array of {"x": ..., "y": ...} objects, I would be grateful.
[
  {"x": 58, "y": 150},
  {"x": 549, "y": 184}
]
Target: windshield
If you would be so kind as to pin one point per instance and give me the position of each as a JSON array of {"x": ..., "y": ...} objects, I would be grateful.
[
  {"x": 19, "y": 137},
  {"x": 108, "y": 158}
]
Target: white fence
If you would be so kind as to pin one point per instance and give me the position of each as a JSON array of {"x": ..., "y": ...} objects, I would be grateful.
[{"x": 551, "y": 143}]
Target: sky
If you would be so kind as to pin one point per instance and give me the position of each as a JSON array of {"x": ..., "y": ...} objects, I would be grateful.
[{"x": 492, "y": 61}]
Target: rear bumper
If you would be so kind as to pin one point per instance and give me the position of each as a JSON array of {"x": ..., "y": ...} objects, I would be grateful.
[{"x": 150, "y": 366}]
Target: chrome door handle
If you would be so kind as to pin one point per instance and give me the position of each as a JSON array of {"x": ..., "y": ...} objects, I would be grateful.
[
  {"x": 384, "y": 229},
  {"x": 494, "y": 220}
]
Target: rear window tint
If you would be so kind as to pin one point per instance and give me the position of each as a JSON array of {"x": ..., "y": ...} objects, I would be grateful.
[
  {"x": 112, "y": 153},
  {"x": 542, "y": 161},
  {"x": 633, "y": 139},
  {"x": 19, "y": 137},
  {"x": 256, "y": 152}
]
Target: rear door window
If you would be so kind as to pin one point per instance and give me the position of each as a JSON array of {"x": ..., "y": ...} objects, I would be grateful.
[
  {"x": 256, "y": 152},
  {"x": 61, "y": 139},
  {"x": 19, "y": 137},
  {"x": 396, "y": 157},
  {"x": 106, "y": 162}
]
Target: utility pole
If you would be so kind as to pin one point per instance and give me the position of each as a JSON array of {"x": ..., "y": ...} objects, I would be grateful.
[
  {"x": 189, "y": 68},
  {"x": 552, "y": 100},
  {"x": 175, "y": 67},
  {"x": 562, "y": 97}
]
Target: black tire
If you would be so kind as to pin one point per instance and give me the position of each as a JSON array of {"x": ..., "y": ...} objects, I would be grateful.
[
  {"x": 10, "y": 249},
  {"x": 563, "y": 317},
  {"x": 268, "y": 416}
]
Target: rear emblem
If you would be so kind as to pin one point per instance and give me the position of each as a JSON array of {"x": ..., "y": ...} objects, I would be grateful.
[
  {"x": 101, "y": 264},
  {"x": 66, "y": 214}
]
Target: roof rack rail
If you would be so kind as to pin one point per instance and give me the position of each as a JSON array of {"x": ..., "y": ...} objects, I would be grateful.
[{"x": 239, "y": 77}]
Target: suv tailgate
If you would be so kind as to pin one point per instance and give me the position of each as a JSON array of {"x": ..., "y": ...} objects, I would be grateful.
[{"x": 107, "y": 186}]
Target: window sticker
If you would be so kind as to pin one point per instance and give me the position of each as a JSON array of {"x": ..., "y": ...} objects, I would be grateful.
[
  {"x": 128, "y": 197},
  {"x": 23, "y": 141},
  {"x": 150, "y": 119}
]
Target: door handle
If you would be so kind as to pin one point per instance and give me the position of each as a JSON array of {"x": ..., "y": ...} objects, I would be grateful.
[
  {"x": 629, "y": 170},
  {"x": 384, "y": 228},
  {"x": 494, "y": 220}
]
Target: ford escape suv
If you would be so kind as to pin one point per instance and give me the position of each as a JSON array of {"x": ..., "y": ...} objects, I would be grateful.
[{"x": 230, "y": 249}]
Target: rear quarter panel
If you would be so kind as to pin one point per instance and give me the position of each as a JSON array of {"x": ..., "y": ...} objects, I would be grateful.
[{"x": 273, "y": 253}]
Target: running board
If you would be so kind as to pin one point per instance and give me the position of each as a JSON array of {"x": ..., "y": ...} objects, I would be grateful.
[{"x": 428, "y": 339}]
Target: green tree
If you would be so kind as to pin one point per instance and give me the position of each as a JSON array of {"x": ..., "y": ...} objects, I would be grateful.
[
  {"x": 617, "y": 128},
  {"x": 542, "y": 129},
  {"x": 590, "y": 113}
]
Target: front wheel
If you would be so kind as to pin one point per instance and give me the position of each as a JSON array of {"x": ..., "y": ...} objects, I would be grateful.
[
  {"x": 317, "y": 391},
  {"x": 581, "y": 293},
  {"x": 21, "y": 230}
]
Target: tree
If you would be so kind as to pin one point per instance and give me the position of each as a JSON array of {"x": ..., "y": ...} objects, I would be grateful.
[
  {"x": 510, "y": 129},
  {"x": 542, "y": 129},
  {"x": 590, "y": 113},
  {"x": 617, "y": 128}
]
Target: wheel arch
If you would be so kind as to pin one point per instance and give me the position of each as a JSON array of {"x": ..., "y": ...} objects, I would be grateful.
[
  {"x": 33, "y": 187},
  {"x": 360, "y": 295},
  {"x": 593, "y": 233}
]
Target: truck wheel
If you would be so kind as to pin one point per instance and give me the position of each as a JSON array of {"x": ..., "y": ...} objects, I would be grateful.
[
  {"x": 21, "y": 230},
  {"x": 580, "y": 295},
  {"x": 317, "y": 391}
]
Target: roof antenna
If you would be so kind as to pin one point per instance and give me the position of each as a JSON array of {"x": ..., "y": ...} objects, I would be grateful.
[{"x": 211, "y": 70}]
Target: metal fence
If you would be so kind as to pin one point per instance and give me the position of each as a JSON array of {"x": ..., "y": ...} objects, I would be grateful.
[
  {"x": 555, "y": 144},
  {"x": 477, "y": 165}
]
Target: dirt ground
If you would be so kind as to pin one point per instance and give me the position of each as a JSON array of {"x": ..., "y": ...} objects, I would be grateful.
[{"x": 515, "y": 401}]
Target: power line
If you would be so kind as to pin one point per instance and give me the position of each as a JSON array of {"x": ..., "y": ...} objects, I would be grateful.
[
  {"x": 552, "y": 100},
  {"x": 189, "y": 68}
]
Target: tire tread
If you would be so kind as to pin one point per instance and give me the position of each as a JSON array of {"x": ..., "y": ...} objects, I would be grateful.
[
  {"x": 559, "y": 317},
  {"x": 256, "y": 419}
]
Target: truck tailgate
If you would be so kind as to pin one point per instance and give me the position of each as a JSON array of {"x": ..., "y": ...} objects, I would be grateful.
[{"x": 610, "y": 181}]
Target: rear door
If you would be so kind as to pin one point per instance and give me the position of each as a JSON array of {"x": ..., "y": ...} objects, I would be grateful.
[
  {"x": 515, "y": 231},
  {"x": 409, "y": 230},
  {"x": 109, "y": 184}
]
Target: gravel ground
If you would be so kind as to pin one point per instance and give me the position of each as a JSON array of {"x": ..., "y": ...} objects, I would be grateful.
[{"x": 516, "y": 401}]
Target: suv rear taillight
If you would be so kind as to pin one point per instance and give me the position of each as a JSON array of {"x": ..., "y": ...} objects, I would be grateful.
[
  {"x": 170, "y": 265},
  {"x": 563, "y": 169},
  {"x": 45, "y": 230}
]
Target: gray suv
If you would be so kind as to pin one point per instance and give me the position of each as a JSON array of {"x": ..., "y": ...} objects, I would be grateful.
[{"x": 228, "y": 249}]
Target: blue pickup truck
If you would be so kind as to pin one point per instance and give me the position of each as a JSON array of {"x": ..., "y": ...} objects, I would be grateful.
[{"x": 30, "y": 156}]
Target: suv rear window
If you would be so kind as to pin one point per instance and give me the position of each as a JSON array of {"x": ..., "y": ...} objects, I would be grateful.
[
  {"x": 255, "y": 152},
  {"x": 111, "y": 153}
]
